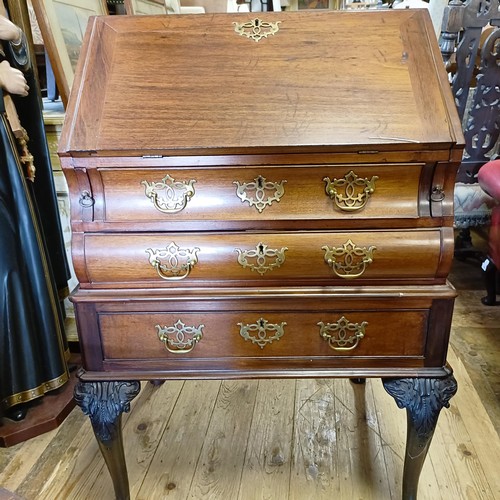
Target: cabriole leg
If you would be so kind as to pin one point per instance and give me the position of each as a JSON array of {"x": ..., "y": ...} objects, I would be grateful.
[
  {"x": 423, "y": 399},
  {"x": 104, "y": 403}
]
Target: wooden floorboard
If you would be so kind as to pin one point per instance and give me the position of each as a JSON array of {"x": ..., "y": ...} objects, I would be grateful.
[{"x": 268, "y": 439}]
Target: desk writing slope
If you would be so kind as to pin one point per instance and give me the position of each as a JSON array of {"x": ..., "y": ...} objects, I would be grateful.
[
  {"x": 262, "y": 196},
  {"x": 328, "y": 80}
]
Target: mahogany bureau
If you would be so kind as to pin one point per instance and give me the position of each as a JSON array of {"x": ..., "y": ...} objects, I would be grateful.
[{"x": 262, "y": 196}]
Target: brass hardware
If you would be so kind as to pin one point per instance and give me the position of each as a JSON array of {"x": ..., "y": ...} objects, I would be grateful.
[
  {"x": 257, "y": 332},
  {"x": 167, "y": 261},
  {"x": 256, "y": 29},
  {"x": 179, "y": 338},
  {"x": 342, "y": 335},
  {"x": 348, "y": 261},
  {"x": 260, "y": 186},
  {"x": 351, "y": 192},
  {"x": 437, "y": 193},
  {"x": 86, "y": 199},
  {"x": 176, "y": 194},
  {"x": 260, "y": 255}
]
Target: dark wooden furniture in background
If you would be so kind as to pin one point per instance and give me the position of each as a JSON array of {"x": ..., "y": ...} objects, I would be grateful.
[
  {"x": 470, "y": 44},
  {"x": 262, "y": 196}
]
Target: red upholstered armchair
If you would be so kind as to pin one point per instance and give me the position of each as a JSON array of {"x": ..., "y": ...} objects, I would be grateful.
[{"x": 489, "y": 180}]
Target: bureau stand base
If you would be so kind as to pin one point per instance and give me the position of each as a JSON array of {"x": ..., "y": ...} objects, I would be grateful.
[{"x": 105, "y": 401}]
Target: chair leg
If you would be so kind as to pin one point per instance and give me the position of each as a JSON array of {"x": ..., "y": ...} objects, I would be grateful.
[{"x": 490, "y": 281}]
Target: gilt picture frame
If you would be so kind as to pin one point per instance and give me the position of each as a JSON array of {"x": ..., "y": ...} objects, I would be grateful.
[
  {"x": 63, "y": 24},
  {"x": 145, "y": 7}
]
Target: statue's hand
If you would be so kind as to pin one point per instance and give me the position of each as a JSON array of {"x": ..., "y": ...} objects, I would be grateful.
[
  {"x": 12, "y": 80},
  {"x": 9, "y": 31}
]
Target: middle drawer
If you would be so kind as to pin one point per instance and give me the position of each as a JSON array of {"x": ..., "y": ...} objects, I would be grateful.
[{"x": 166, "y": 259}]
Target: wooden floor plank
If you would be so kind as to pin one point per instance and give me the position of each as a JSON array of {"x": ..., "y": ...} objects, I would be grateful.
[
  {"x": 392, "y": 430},
  {"x": 358, "y": 416},
  {"x": 23, "y": 458},
  {"x": 266, "y": 472},
  {"x": 315, "y": 466},
  {"x": 54, "y": 467},
  {"x": 219, "y": 468},
  {"x": 483, "y": 438},
  {"x": 453, "y": 454},
  {"x": 173, "y": 466}
]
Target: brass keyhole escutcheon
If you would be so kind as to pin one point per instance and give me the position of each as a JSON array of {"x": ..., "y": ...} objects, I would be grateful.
[
  {"x": 260, "y": 193},
  {"x": 262, "y": 332},
  {"x": 256, "y": 29},
  {"x": 261, "y": 258}
]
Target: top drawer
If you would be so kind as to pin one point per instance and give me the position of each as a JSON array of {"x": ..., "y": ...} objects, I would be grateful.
[{"x": 256, "y": 194}]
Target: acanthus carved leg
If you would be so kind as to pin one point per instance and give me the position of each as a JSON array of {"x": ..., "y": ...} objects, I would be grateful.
[
  {"x": 104, "y": 403},
  {"x": 423, "y": 399}
]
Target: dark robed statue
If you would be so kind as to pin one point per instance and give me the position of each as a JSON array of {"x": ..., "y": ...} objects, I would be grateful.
[{"x": 33, "y": 266}]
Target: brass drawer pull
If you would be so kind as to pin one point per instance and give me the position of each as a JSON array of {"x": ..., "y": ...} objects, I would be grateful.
[
  {"x": 437, "y": 193},
  {"x": 348, "y": 261},
  {"x": 342, "y": 335},
  {"x": 257, "y": 332},
  {"x": 180, "y": 339},
  {"x": 169, "y": 196},
  {"x": 173, "y": 263},
  {"x": 259, "y": 256},
  {"x": 350, "y": 193},
  {"x": 259, "y": 199},
  {"x": 86, "y": 199}
]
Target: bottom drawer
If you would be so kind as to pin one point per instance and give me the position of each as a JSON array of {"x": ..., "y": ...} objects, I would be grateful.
[
  {"x": 215, "y": 334},
  {"x": 239, "y": 333}
]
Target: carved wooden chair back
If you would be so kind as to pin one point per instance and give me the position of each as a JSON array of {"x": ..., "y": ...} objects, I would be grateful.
[{"x": 471, "y": 33}]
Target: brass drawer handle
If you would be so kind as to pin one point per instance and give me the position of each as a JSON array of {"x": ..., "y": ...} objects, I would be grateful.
[
  {"x": 342, "y": 335},
  {"x": 264, "y": 192},
  {"x": 257, "y": 332},
  {"x": 173, "y": 263},
  {"x": 169, "y": 196},
  {"x": 437, "y": 193},
  {"x": 350, "y": 193},
  {"x": 256, "y": 258},
  {"x": 86, "y": 199},
  {"x": 349, "y": 261},
  {"x": 179, "y": 338}
]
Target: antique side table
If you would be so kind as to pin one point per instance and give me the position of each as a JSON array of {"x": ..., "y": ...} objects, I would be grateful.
[{"x": 262, "y": 196}]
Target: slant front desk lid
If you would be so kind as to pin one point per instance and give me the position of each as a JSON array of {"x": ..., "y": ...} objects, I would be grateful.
[{"x": 259, "y": 83}]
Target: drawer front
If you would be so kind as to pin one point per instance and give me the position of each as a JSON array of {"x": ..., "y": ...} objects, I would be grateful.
[
  {"x": 230, "y": 334},
  {"x": 260, "y": 193},
  {"x": 159, "y": 260}
]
